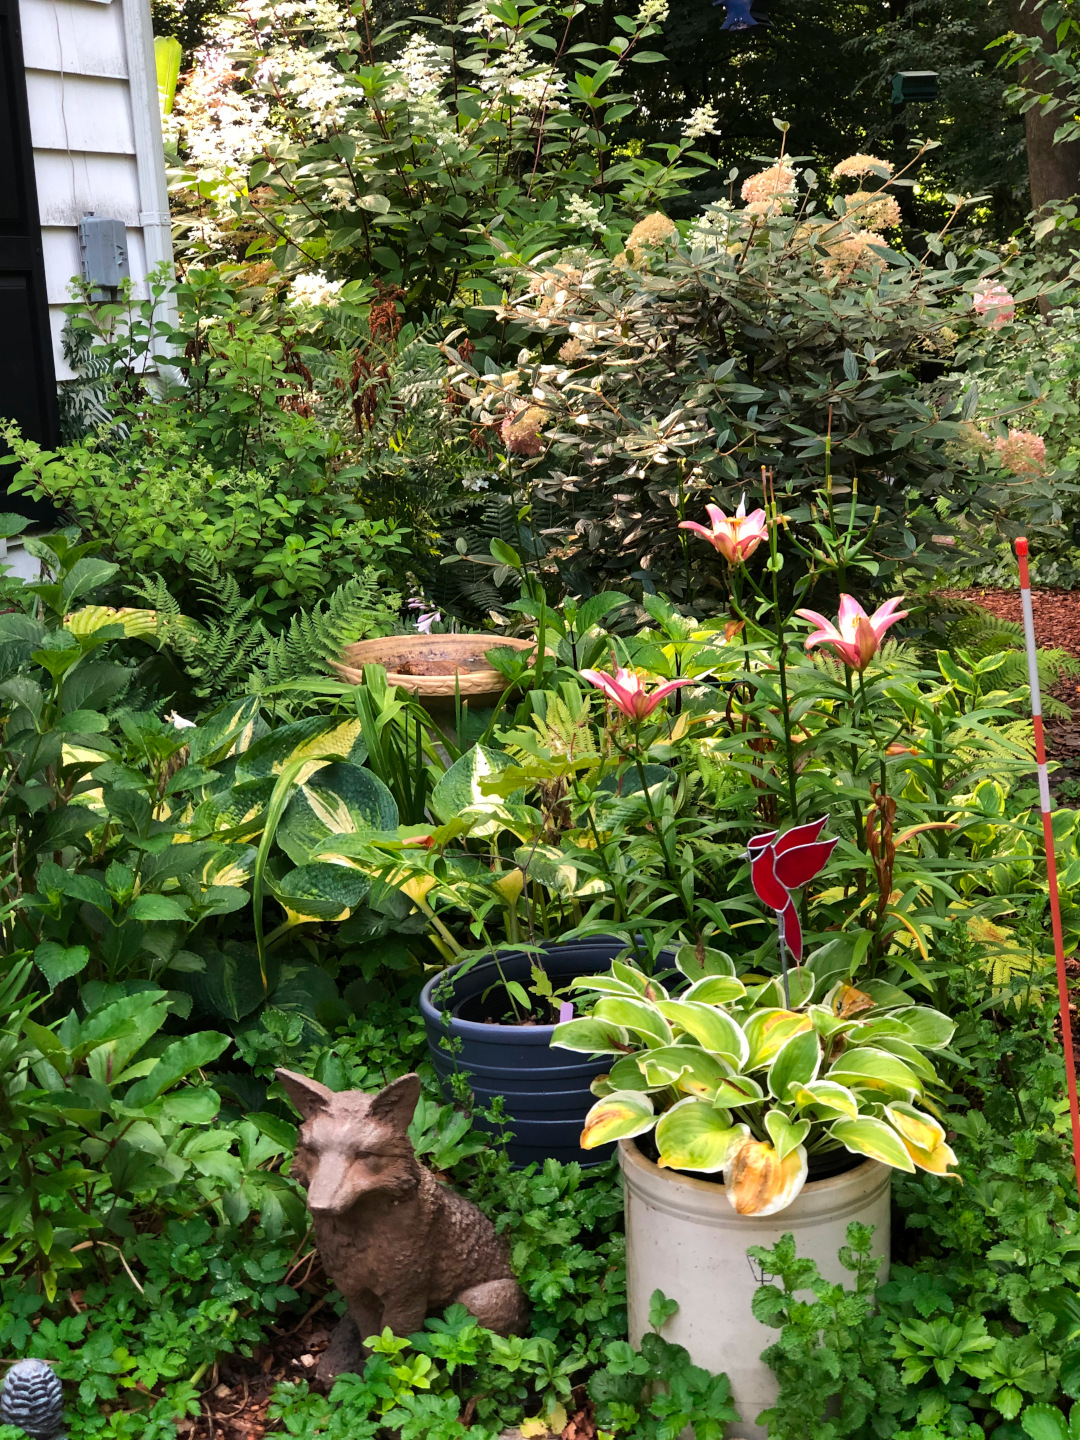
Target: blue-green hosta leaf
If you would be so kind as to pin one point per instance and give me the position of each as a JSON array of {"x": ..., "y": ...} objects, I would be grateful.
[
  {"x": 339, "y": 799},
  {"x": 692, "y": 1135},
  {"x": 317, "y": 738},
  {"x": 711, "y": 1028},
  {"x": 321, "y": 891},
  {"x": 618, "y": 1116},
  {"x": 868, "y": 1136},
  {"x": 232, "y": 730},
  {"x": 461, "y": 790},
  {"x": 797, "y": 1062},
  {"x": 786, "y": 1134}
]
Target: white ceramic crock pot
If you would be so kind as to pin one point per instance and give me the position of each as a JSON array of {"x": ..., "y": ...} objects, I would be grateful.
[{"x": 683, "y": 1237}]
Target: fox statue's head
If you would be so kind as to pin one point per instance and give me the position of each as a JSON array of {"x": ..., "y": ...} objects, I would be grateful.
[{"x": 353, "y": 1145}]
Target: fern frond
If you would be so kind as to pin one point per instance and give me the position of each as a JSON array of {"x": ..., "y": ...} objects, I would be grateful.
[{"x": 359, "y": 609}]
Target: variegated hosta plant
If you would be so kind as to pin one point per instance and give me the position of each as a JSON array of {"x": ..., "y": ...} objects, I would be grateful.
[{"x": 730, "y": 1080}]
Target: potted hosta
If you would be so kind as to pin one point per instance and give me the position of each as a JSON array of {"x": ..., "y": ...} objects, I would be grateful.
[{"x": 748, "y": 1107}]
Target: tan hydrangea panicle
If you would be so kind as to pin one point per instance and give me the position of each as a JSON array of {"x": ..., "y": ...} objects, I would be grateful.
[
  {"x": 873, "y": 211},
  {"x": 1023, "y": 452},
  {"x": 520, "y": 433},
  {"x": 771, "y": 187},
  {"x": 855, "y": 166},
  {"x": 853, "y": 252}
]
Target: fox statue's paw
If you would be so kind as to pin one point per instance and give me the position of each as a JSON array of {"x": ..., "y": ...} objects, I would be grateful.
[{"x": 343, "y": 1356}]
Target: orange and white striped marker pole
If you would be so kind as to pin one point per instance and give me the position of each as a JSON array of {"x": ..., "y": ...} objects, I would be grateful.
[{"x": 1051, "y": 858}]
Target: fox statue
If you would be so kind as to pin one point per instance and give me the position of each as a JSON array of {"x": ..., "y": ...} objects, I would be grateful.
[{"x": 396, "y": 1242}]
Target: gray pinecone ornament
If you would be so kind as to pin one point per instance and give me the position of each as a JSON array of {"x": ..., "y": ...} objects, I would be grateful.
[{"x": 33, "y": 1399}]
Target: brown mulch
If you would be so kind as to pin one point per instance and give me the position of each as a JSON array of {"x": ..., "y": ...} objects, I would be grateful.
[{"x": 1057, "y": 627}]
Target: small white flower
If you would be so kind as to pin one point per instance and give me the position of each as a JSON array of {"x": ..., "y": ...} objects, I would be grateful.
[
  {"x": 652, "y": 12},
  {"x": 585, "y": 213},
  {"x": 314, "y": 290},
  {"x": 475, "y": 483},
  {"x": 701, "y": 121}
]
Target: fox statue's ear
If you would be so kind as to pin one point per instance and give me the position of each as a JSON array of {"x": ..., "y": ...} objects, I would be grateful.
[
  {"x": 395, "y": 1105},
  {"x": 309, "y": 1097}
]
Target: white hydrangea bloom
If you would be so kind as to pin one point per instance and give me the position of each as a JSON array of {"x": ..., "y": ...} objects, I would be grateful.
[
  {"x": 314, "y": 289},
  {"x": 709, "y": 232},
  {"x": 652, "y": 12},
  {"x": 223, "y": 129},
  {"x": 585, "y": 213}
]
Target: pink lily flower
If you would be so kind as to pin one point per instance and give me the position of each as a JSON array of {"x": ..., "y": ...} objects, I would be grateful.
[
  {"x": 627, "y": 691},
  {"x": 737, "y": 536},
  {"x": 856, "y": 637}
]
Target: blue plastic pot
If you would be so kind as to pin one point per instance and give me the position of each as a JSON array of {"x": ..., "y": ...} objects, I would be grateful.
[{"x": 545, "y": 1092}]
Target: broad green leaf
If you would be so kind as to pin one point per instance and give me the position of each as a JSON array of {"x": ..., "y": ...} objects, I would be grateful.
[
  {"x": 626, "y": 1074},
  {"x": 1045, "y": 1422},
  {"x": 58, "y": 962},
  {"x": 867, "y": 1136},
  {"x": 692, "y": 1135},
  {"x": 592, "y": 1036},
  {"x": 312, "y": 741},
  {"x": 712, "y": 1029},
  {"x": 156, "y": 908},
  {"x": 175, "y": 1063},
  {"x": 618, "y": 1116},
  {"x": 876, "y": 1070},
  {"x": 699, "y": 964},
  {"x": 797, "y": 1063},
  {"x": 636, "y": 1015},
  {"x": 785, "y": 1133}
]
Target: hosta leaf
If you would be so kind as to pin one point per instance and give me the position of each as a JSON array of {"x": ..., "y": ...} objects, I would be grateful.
[
  {"x": 916, "y": 1127},
  {"x": 876, "y": 1070},
  {"x": 785, "y": 1133},
  {"x": 715, "y": 990},
  {"x": 692, "y": 1135},
  {"x": 338, "y": 799},
  {"x": 797, "y": 1063},
  {"x": 758, "y": 1182},
  {"x": 618, "y": 1116},
  {"x": 825, "y": 1095},
  {"x": 697, "y": 963},
  {"x": 867, "y": 1136},
  {"x": 635, "y": 1015},
  {"x": 592, "y": 1036},
  {"x": 712, "y": 1029},
  {"x": 626, "y": 1074},
  {"x": 929, "y": 1029},
  {"x": 665, "y": 1065},
  {"x": 321, "y": 891},
  {"x": 461, "y": 792},
  {"x": 316, "y": 738},
  {"x": 767, "y": 1030}
]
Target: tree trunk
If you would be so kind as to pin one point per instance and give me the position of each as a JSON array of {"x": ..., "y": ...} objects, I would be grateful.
[{"x": 1053, "y": 170}]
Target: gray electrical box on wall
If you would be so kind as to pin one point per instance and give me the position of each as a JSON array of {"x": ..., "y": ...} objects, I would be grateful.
[{"x": 103, "y": 245}]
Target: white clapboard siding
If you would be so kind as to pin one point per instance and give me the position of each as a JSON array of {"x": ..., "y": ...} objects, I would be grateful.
[
  {"x": 71, "y": 37},
  {"x": 96, "y": 134}
]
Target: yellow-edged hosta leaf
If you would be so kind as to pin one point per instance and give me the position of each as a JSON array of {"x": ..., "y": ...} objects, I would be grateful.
[
  {"x": 737, "y": 1090},
  {"x": 929, "y": 1029},
  {"x": 936, "y": 1161},
  {"x": 637, "y": 1016},
  {"x": 712, "y": 1029},
  {"x": 914, "y": 1059},
  {"x": 758, "y": 1182},
  {"x": 871, "y": 1069},
  {"x": 825, "y": 1095},
  {"x": 868, "y": 1136},
  {"x": 592, "y": 1036},
  {"x": 692, "y": 1135},
  {"x": 915, "y": 1126},
  {"x": 715, "y": 990},
  {"x": 618, "y": 1116},
  {"x": 625, "y": 1073},
  {"x": 767, "y": 1030},
  {"x": 666, "y": 1064},
  {"x": 785, "y": 1133},
  {"x": 797, "y": 1063}
]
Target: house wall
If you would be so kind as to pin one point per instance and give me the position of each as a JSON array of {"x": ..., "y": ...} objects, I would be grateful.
[{"x": 96, "y": 133}]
